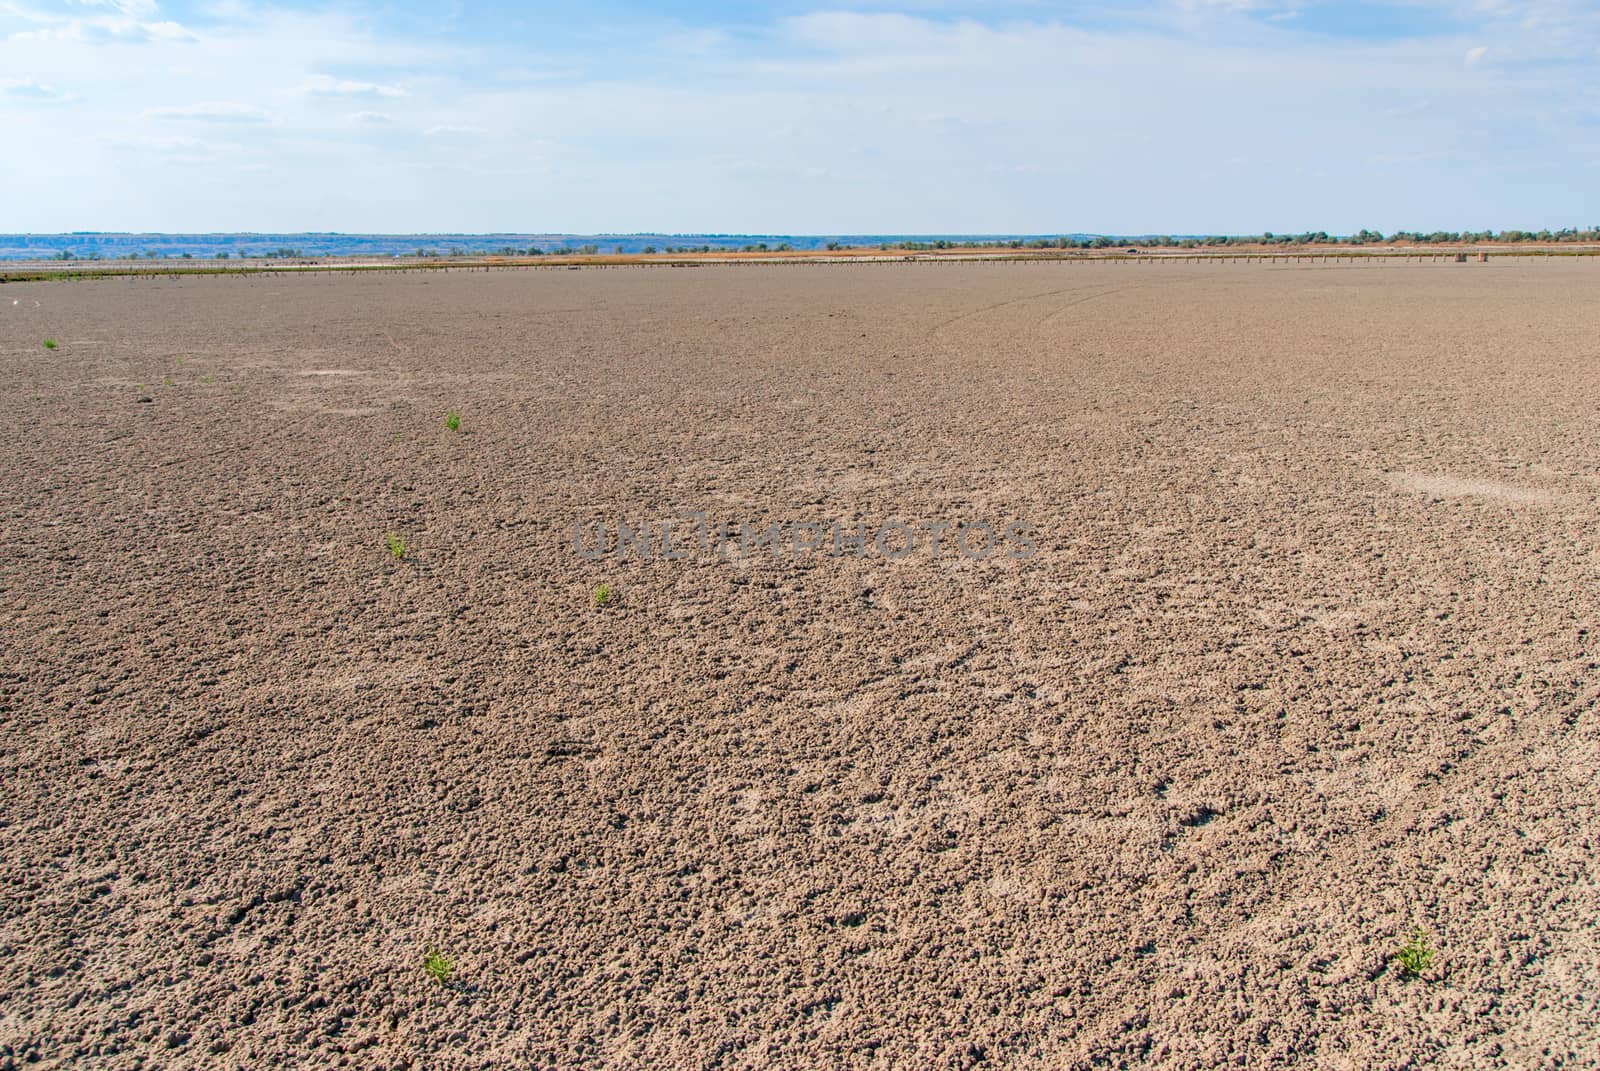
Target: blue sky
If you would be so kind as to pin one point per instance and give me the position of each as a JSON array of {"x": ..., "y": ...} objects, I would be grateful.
[{"x": 919, "y": 116}]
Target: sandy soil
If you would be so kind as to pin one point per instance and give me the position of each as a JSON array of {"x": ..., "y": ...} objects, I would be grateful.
[{"x": 1306, "y": 659}]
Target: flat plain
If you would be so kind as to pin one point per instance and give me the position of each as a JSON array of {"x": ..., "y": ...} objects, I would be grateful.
[{"x": 1305, "y": 662}]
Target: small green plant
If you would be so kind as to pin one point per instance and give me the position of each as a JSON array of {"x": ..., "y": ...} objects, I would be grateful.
[
  {"x": 397, "y": 546},
  {"x": 452, "y": 420},
  {"x": 438, "y": 966},
  {"x": 49, "y": 343},
  {"x": 602, "y": 594},
  {"x": 1416, "y": 955}
]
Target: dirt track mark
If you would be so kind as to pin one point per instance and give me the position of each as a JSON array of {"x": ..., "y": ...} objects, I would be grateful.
[
  {"x": 943, "y": 324},
  {"x": 1084, "y": 300}
]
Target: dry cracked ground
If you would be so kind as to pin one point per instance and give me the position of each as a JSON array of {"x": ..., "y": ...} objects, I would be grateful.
[{"x": 1305, "y": 660}]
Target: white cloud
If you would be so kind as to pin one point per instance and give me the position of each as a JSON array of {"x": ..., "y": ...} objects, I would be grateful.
[
  {"x": 108, "y": 30},
  {"x": 174, "y": 148},
  {"x": 323, "y": 85},
  {"x": 211, "y": 112},
  {"x": 452, "y": 130},
  {"x": 137, "y": 9},
  {"x": 127, "y": 22},
  {"x": 30, "y": 89},
  {"x": 901, "y": 36},
  {"x": 373, "y": 118},
  {"x": 1476, "y": 54},
  {"x": 1235, "y": 5},
  {"x": 168, "y": 143}
]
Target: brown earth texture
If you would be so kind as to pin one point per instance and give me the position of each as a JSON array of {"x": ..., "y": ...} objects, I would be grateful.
[{"x": 1303, "y": 662}]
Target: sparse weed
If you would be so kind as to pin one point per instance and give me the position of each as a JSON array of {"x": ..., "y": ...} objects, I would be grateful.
[
  {"x": 602, "y": 594},
  {"x": 49, "y": 343},
  {"x": 210, "y": 378},
  {"x": 397, "y": 546},
  {"x": 452, "y": 420},
  {"x": 438, "y": 966},
  {"x": 1416, "y": 955}
]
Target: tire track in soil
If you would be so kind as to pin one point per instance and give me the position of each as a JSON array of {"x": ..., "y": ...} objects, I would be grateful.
[
  {"x": 1037, "y": 329},
  {"x": 935, "y": 330}
]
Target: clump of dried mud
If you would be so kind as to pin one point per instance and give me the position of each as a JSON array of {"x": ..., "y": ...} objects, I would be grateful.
[{"x": 1306, "y": 660}]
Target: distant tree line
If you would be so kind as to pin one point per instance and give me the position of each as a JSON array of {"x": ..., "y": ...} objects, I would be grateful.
[
  {"x": 151, "y": 254},
  {"x": 1166, "y": 241},
  {"x": 587, "y": 250}
]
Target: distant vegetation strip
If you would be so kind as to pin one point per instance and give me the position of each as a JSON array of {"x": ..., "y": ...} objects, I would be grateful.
[
  {"x": 111, "y": 246},
  {"x": 37, "y": 272}
]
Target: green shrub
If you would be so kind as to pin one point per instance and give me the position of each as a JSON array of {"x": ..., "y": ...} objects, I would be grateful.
[
  {"x": 1416, "y": 955},
  {"x": 438, "y": 966}
]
